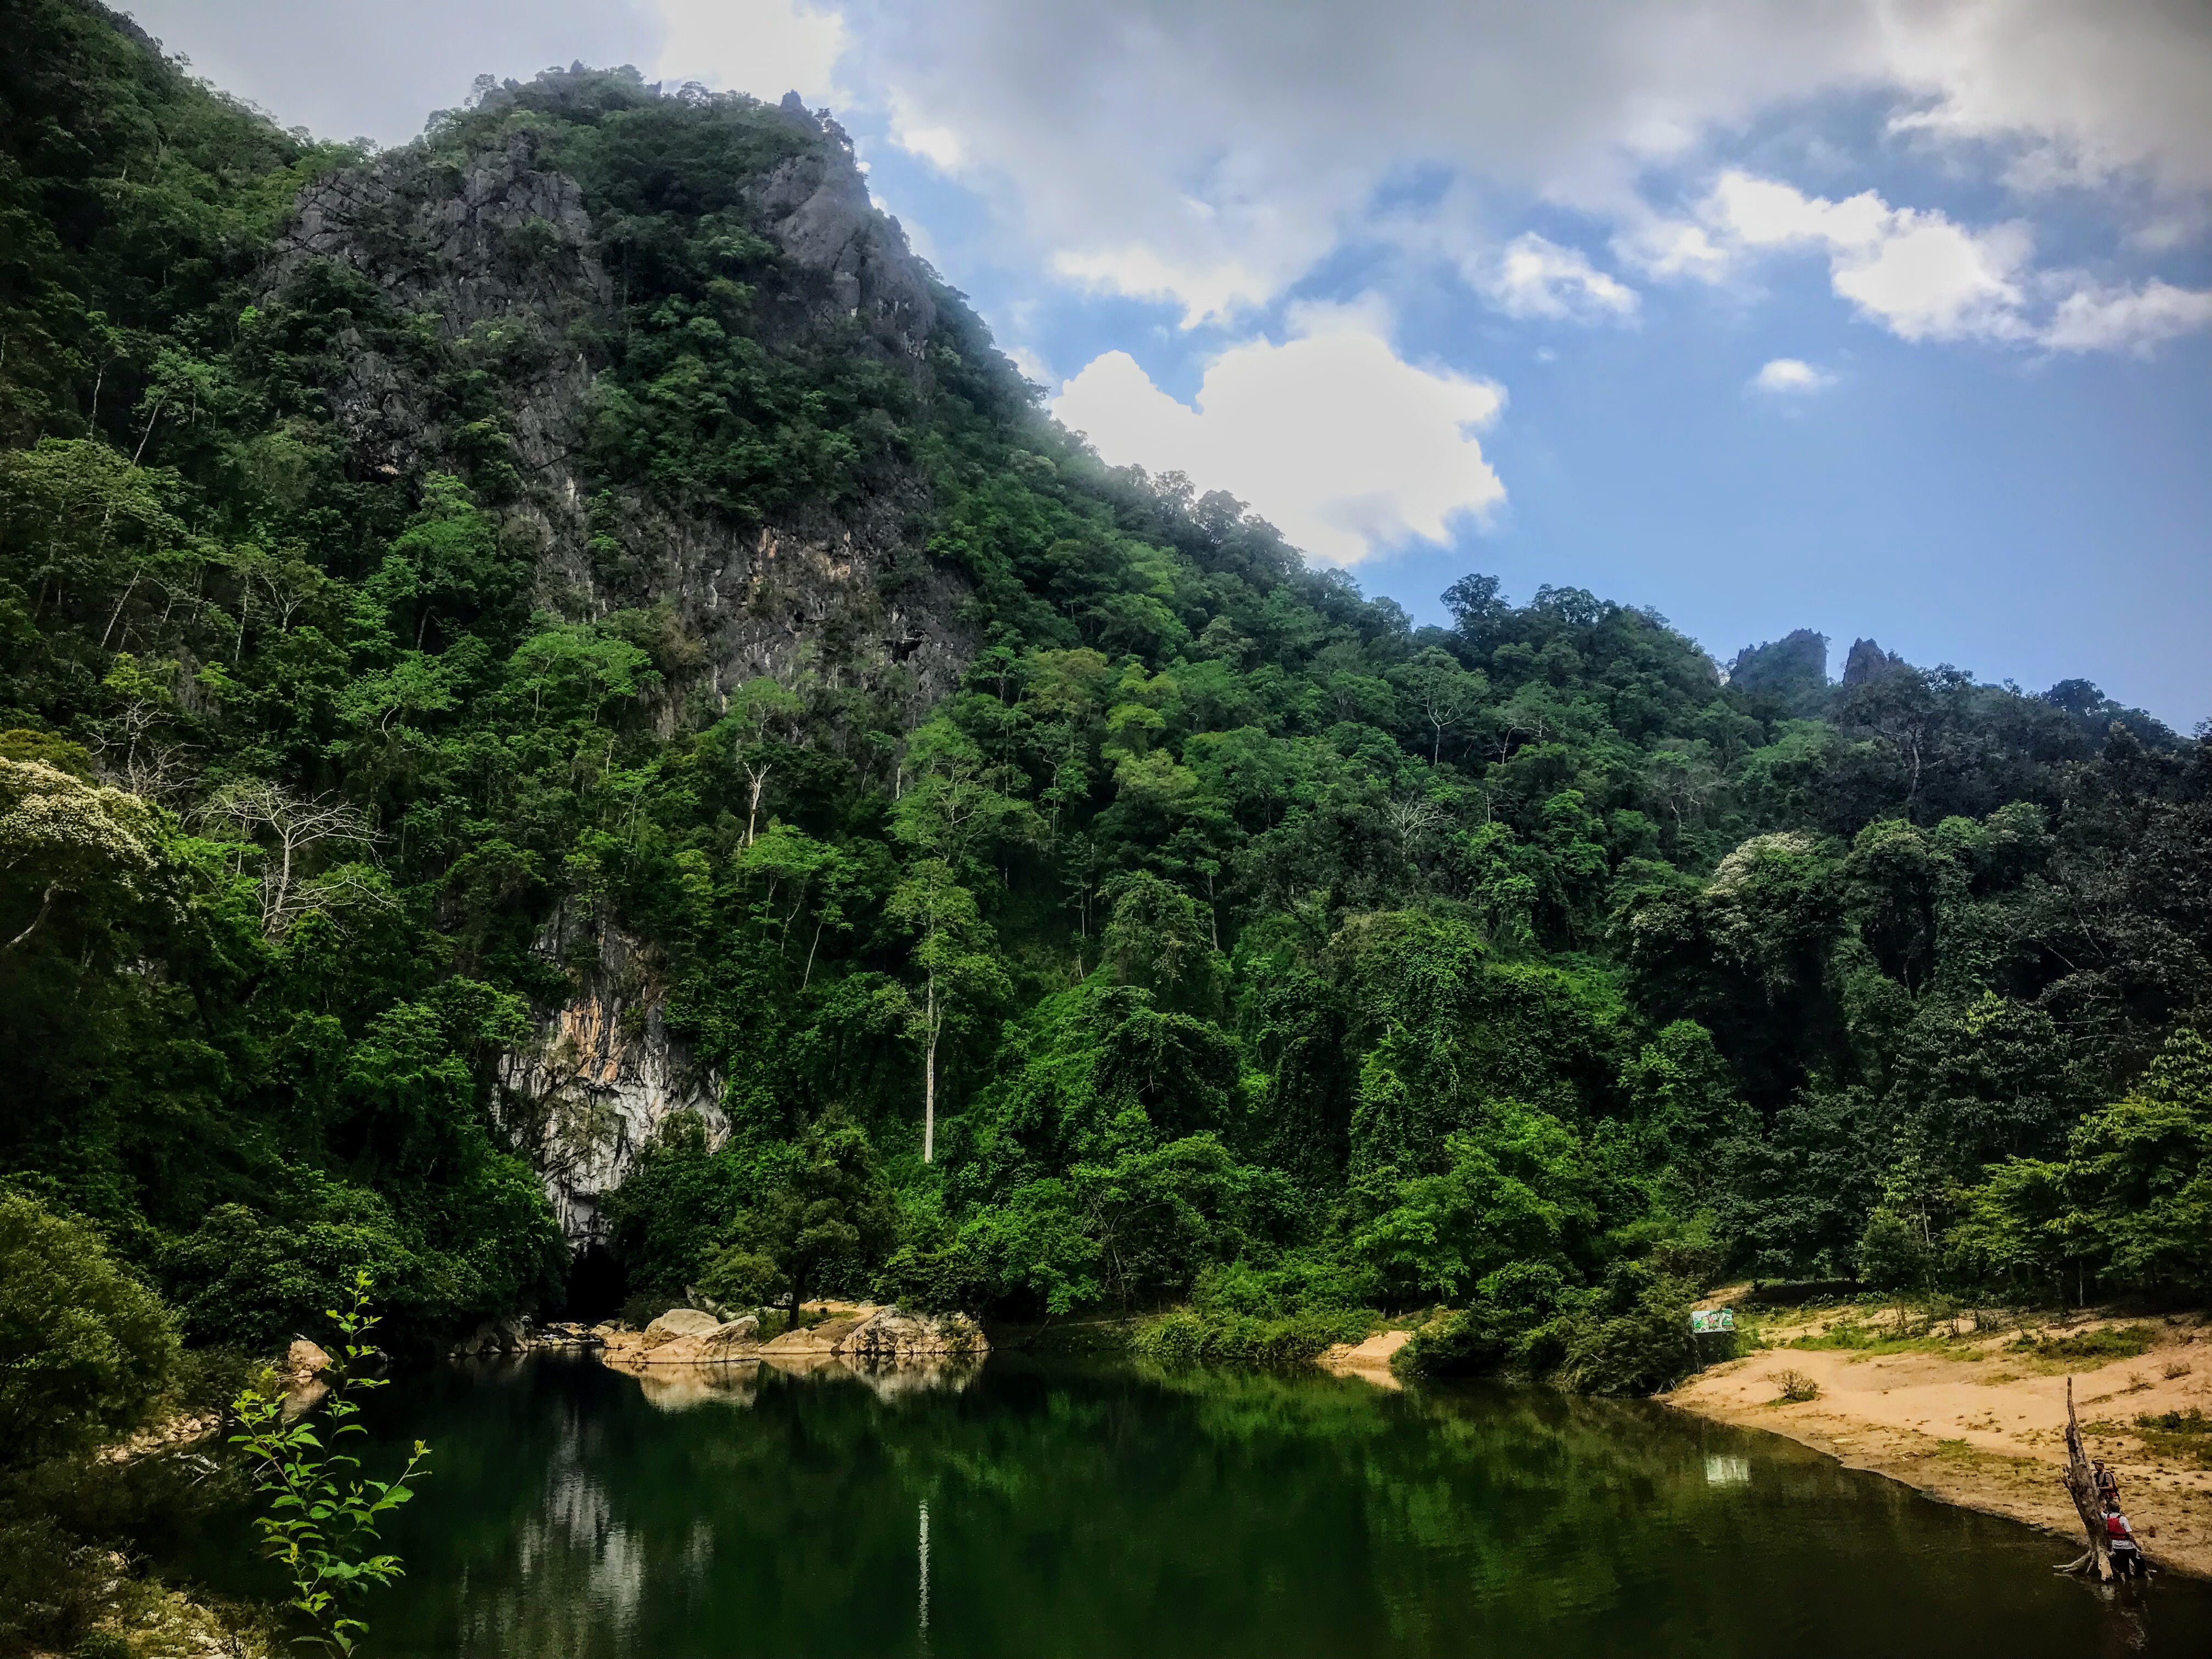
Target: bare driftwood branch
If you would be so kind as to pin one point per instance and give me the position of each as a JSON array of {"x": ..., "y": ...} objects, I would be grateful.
[{"x": 2080, "y": 1484}]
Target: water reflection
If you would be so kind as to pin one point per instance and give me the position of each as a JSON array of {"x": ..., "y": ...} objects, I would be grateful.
[
  {"x": 682, "y": 1388},
  {"x": 1723, "y": 1470},
  {"x": 580, "y": 1512},
  {"x": 921, "y": 1571}
]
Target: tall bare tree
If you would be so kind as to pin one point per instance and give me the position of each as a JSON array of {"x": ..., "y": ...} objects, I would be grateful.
[{"x": 289, "y": 828}]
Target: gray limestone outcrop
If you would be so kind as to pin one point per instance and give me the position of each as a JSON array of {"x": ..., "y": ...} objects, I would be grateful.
[
  {"x": 1868, "y": 661},
  {"x": 496, "y": 259},
  {"x": 603, "y": 1076},
  {"x": 815, "y": 204}
]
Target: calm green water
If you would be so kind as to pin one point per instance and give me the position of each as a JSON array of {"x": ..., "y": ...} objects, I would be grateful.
[{"x": 1086, "y": 1512}]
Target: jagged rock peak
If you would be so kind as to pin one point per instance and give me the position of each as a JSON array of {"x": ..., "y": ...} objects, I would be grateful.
[
  {"x": 492, "y": 250},
  {"x": 1794, "y": 668},
  {"x": 1868, "y": 661},
  {"x": 502, "y": 241},
  {"x": 817, "y": 206}
]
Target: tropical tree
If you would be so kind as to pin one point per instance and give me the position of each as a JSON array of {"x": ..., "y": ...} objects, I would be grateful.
[{"x": 953, "y": 952}]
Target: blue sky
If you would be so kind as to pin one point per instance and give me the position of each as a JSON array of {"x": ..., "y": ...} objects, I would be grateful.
[{"x": 1882, "y": 319}]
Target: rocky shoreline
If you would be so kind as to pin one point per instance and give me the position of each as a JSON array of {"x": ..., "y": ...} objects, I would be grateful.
[{"x": 856, "y": 1333}]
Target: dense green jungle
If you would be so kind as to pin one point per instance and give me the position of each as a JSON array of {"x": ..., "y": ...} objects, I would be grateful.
[{"x": 1077, "y": 903}]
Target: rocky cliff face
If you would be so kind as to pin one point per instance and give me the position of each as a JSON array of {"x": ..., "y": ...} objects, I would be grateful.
[
  {"x": 603, "y": 1076},
  {"x": 494, "y": 255},
  {"x": 492, "y": 266},
  {"x": 816, "y": 207}
]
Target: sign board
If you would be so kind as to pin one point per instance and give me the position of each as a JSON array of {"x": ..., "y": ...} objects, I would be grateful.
[{"x": 1703, "y": 1320}]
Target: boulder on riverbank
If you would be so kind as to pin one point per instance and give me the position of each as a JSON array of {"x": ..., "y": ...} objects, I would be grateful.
[
  {"x": 865, "y": 1336},
  {"x": 565, "y": 1333},
  {"x": 679, "y": 1322},
  {"x": 493, "y": 1336},
  {"x": 889, "y": 1336}
]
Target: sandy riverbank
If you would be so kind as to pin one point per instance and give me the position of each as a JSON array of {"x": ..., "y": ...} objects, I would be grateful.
[
  {"x": 1981, "y": 1422},
  {"x": 1369, "y": 1361}
]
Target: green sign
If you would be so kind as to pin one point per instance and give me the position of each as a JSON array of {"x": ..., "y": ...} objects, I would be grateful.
[{"x": 1703, "y": 1320}]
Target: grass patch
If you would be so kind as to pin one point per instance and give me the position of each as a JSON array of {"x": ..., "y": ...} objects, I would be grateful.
[
  {"x": 2100, "y": 1347},
  {"x": 1856, "y": 1336},
  {"x": 1184, "y": 1336},
  {"x": 2183, "y": 1437},
  {"x": 2192, "y": 1421},
  {"x": 1962, "y": 1456}
]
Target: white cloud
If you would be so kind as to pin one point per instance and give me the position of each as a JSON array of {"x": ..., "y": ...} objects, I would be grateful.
[
  {"x": 1534, "y": 277},
  {"x": 1915, "y": 272},
  {"x": 765, "y": 47},
  {"x": 2089, "y": 87},
  {"x": 1792, "y": 377},
  {"x": 1929, "y": 279},
  {"x": 1213, "y": 154},
  {"x": 1762, "y": 212},
  {"x": 1206, "y": 292},
  {"x": 1666, "y": 248},
  {"x": 1344, "y": 446},
  {"x": 2092, "y": 318},
  {"x": 1925, "y": 277}
]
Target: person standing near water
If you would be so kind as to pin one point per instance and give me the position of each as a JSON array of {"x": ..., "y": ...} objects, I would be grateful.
[{"x": 2120, "y": 1540}]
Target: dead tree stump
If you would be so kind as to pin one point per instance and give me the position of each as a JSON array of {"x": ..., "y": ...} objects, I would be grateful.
[{"x": 2080, "y": 1483}]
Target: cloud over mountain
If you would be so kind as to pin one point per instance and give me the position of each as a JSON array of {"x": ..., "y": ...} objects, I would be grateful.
[{"x": 1346, "y": 447}]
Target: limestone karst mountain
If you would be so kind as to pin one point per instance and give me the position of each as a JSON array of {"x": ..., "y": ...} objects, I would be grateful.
[{"x": 559, "y": 692}]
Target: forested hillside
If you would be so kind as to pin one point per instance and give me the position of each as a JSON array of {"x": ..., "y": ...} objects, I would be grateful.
[{"x": 588, "y": 535}]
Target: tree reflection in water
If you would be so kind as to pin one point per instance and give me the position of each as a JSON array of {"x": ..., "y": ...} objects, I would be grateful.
[{"x": 1106, "y": 1511}]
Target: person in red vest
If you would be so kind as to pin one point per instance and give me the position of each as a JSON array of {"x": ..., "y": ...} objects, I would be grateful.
[{"x": 2120, "y": 1540}]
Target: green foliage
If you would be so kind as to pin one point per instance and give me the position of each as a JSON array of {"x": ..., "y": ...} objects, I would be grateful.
[
  {"x": 86, "y": 1353},
  {"x": 1893, "y": 1254},
  {"x": 1185, "y": 1338},
  {"x": 1521, "y": 1190},
  {"x": 1628, "y": 1334},
  {"x": 1631, "y": 1334},
  {"x": 669, "y": 1219},
  {"x": 319, "y": 1519},
  {"x": 1217, "y": 936},
  {"x": 2131, "y": 1200},
  {"x": 831, "y": 1218}
]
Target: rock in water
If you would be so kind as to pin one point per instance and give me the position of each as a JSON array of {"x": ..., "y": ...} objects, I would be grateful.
[
  {"x": 493, "y": 1336},
  {"x": 305, "y": 1358},
  {"x": 889, "y": 1336},
  {"x": 681, "y": 1321}
]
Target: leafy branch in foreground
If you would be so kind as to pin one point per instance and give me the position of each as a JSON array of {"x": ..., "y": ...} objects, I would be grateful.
[{"x": 322, "y": 1519}]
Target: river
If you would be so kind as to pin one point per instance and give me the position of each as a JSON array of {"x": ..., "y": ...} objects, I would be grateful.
[{"x": 1028, "y": 1510}]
